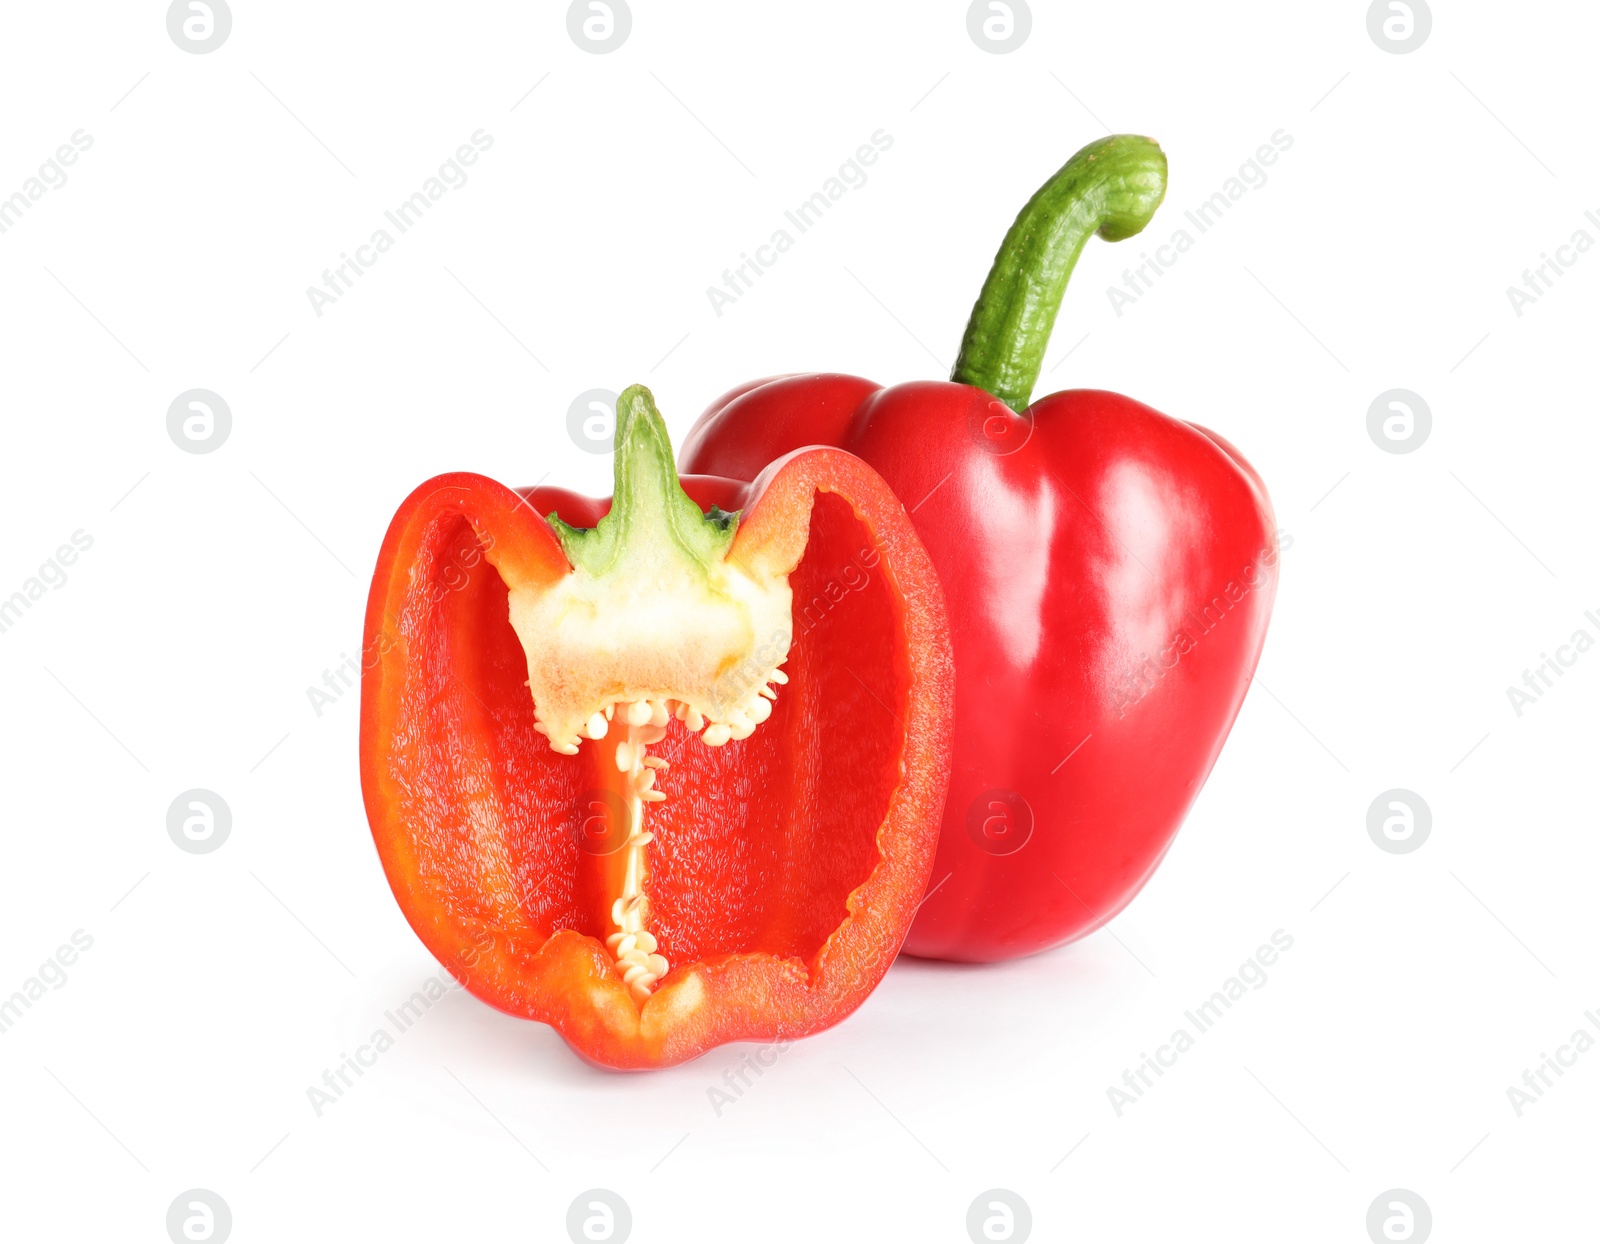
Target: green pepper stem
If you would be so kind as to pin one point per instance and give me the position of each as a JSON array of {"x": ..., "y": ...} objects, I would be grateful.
[
  {"x": 1112, "y": 187},
  {"x": 650, "y": 513}
]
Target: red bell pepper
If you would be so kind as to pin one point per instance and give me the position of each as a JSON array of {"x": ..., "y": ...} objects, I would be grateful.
[
  {"x": 552, "y": 828},
  {"x": 1109, "y": 573}
]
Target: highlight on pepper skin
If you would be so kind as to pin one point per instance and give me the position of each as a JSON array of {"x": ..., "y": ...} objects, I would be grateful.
[{"x": 624, "y": 779}]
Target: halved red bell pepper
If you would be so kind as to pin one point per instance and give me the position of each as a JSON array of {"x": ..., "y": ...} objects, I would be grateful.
[
  {"x": 1109, "y": 572},
  {"x": 552, "y": 827}
]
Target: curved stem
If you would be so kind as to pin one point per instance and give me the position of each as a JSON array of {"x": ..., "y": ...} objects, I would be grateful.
[{"x": 1112, "y": 187}]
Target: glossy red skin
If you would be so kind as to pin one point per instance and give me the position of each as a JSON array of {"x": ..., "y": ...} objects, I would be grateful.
[{"x": 1074, "y": 544}]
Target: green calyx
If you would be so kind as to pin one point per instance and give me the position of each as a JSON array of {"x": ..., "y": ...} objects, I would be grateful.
[
  {"x": 650, "y": 514},
  {"x": 1112, "y": 187}
]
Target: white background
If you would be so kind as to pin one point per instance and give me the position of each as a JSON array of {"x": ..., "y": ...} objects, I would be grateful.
[{"x": 178, "y": 652}]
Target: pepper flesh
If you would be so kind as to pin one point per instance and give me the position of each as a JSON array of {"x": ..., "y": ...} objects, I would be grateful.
[
  {"x": 1109, "y": 571},
  {"x": 784, "y": 868}
]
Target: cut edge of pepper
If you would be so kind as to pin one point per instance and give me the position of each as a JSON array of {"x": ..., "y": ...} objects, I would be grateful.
[{"x": 515, "y": 965}]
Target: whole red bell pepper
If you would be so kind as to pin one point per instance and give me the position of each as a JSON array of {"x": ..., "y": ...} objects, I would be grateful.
[
  {"x": 550, "y": 823},
  {"x": 1109, "y": 573}
]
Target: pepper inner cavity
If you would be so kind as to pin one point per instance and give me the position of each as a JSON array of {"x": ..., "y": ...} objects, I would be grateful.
[{"x": 643, "y": 723}]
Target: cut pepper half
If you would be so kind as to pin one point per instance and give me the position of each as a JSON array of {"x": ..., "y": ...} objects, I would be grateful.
[{"x": 663, "y": 771}]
